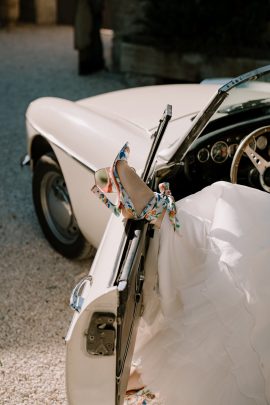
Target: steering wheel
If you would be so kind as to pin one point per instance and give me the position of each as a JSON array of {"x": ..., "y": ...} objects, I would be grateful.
[{"x": 262, "y": 165}]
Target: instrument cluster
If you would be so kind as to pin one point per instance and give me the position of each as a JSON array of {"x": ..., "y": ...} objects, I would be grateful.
[{"x": 221, "y": 150}]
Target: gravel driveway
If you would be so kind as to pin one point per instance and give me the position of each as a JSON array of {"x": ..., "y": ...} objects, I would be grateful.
[{"x": 35, "y": 282}]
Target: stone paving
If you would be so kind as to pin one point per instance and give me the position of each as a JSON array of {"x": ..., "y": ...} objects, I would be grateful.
[{"x": 35, "y": 282}]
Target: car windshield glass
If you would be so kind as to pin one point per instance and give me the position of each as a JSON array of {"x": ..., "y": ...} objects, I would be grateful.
[
  {"x": 250, "y": 95},
  {"x": 243, "y": 98},
  {"x": 247, "y": 105}
]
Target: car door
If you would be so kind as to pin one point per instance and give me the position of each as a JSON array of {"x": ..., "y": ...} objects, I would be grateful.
[{"x": 108, "y": 303}]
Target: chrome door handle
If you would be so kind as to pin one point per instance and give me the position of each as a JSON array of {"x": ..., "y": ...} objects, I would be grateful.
[{"x": 76, "y": 300}]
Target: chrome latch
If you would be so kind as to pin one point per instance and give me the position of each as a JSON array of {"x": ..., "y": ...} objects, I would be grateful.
[
  {"x": 100, "y": 337},
  {"x": 76, "y": 301}
]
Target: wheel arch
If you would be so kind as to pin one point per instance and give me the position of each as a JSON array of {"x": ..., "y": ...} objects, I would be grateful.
[
  {"x": 40, "y": 146},
  {"x": 75, "y": 248}
]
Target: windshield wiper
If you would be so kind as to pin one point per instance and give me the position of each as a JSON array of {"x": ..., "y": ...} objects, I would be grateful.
[{"x": 247, "y": 105}]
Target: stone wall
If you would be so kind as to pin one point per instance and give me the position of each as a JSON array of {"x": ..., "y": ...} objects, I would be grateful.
[
  {"x": 189, "y": 40},
  {"x": 125, "y": 16}
]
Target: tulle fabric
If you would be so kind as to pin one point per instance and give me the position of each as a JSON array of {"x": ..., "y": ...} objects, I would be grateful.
[{"x": 205, "y": 336}]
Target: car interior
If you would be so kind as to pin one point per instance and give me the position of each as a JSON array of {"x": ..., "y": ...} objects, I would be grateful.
[{"x": 210, "y": 157}]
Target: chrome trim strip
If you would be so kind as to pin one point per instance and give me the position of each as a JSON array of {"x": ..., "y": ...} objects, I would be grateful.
[
  {"x": 73, "y": 157},
  {"x": 54, "y": 142},
  {"x": 51, "y": 139}
]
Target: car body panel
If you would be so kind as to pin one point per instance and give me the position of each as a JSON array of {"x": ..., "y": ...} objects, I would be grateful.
[
  {"x": 75, "y": 152},
  {"x": 101, "y": 295},
  {"x": 92, "y": 217},
  {"x": 142, "y": 105},
  {"x": 102, "y": 368},
  {"x": 83, "y": 133}
]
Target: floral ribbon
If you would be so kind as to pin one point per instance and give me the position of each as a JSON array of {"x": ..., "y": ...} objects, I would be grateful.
[{"x": 169, "y": 203}]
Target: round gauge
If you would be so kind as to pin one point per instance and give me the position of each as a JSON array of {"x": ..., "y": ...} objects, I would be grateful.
[
  {"x": 203, "y": 155},
  {"x": 232, "y": 149},
  {"x": 261, "y": 142},
  {"x": 219, "y": 152}
]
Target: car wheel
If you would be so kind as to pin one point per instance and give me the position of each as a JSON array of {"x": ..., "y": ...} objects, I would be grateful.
[{"x": 54, "y": 210}]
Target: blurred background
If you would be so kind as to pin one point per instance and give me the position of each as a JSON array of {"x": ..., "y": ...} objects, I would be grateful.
[{"x": 186, "y": 40}]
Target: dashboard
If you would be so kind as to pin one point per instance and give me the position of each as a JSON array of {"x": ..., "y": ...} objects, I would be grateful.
[{"x": 211, "y": 155}]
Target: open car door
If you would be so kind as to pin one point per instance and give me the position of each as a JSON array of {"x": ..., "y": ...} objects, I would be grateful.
[{"x": 107, "y": 303}]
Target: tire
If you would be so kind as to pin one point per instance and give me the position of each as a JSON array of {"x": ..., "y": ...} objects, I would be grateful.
[{"x": 54, "y": 210}]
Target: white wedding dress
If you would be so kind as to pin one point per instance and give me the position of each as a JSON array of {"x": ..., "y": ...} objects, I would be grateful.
[{"x": 205, "y": 336}]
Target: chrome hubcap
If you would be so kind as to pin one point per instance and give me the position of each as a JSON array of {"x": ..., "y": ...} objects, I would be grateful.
[{"x": 57, "y": 208}]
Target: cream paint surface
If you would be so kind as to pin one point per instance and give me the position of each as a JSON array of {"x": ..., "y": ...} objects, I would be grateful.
[{"x": 145, "y": 105}]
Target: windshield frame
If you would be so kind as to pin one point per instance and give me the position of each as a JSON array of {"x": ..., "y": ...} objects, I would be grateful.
[{"x": 181, "y": 148}]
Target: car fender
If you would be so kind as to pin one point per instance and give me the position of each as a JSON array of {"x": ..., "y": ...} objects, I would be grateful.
[
  {"x": 84, "y": 140},
  {"x": 88, "y": 135}
]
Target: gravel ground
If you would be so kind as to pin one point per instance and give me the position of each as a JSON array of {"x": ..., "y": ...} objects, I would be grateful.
[{"x": 35, "y": 282}]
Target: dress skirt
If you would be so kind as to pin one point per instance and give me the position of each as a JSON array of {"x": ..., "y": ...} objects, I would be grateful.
[{"x": 208, "y": 342}]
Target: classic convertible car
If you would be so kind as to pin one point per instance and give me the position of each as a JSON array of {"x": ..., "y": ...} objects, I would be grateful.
[
  {"x": 67, "y": 141},
  {"x": 213, "y": 134}
]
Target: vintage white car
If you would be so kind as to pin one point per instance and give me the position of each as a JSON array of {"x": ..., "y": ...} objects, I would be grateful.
[
  {"x": 68, "y": 141},
  {"x": 215, "y": 133}
]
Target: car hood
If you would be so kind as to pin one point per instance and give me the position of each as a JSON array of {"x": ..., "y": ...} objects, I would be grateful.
[
  {"x": 113, "y": 118},
  {"x": 143, "y": 106},
  {"x": 91, "y": 137}
]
